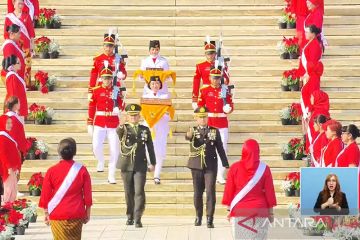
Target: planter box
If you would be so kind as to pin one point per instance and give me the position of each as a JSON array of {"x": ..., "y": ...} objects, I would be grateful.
[
  {"x": 287, "y": 156},
  {"x": 285, "y": 55},
  {"x": 293, "y": 55},
  {"x": 285, "y": 88},
  {"x": 33, "y": 218},
  {"x": 47, "y": 121},
  {"x": 294, "y": 88},
  {"x": 282, "y": 25},
  {"x": 290, "y": 193},
  {"x": 43, "y": 156},
  {"x": 285, "y": 122},
  {"x": 36, "y": 192},
  {"x": 44, "y": 55},
  {"x": 290, "y": 25}
]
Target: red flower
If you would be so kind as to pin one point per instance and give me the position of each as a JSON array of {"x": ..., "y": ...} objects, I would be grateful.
[
  {"x": 42, "y": 40},
  {"x": 44, "y": 89},
  {"x": 36, "y": 180},
  {"x": 14, "y": 217},
  {"x": 295, "y": 111}
]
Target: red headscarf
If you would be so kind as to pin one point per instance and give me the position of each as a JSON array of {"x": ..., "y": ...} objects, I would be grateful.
[
  {"x": 318, "y": 3},
  {"x": 321, "y": 104},
  {"x": 250, "y": 159}
]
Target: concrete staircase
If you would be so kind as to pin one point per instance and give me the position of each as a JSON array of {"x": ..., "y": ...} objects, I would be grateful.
[{"x": 250, "y": 34}]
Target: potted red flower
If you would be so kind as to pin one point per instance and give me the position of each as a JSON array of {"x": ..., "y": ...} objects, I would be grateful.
[
  {"x": 14, "y": 218},
  {"x": 38, "y": 113},
  {"x": 296, "y": 146},
  {"x": 30, "y": 147},
  {"x": 293, "y": 80},
  {"x": 42, "y": 47},
  {"x": 35, "y": 184},
  {"x": 295, "y": 113},
  {"x": 45, "y": 17},
  {"x": 292, "y": 47},
  {"x": 289, "y": 183},
  {"x": 41, "y": 81},
  {"x": 285, "y": 81}
]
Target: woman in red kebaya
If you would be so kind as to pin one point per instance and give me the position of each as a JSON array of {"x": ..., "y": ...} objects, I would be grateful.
[
  {"x": 320, "y": 105},
  {"x": 66, "y": 194},
  {"x": 249, "y": 193},
  {"x": 301, "y": 10},
  {"x": 15, "y": 85},
  {"x": 17, "y": 132},
  {"x": 319, "y": 142},
  {"x": 350, "y": 155},
  {"x": 330, "y": 152},
  {"x": 24, "y": 21},
  {"x": 11, "y": 47},
  {"x": 311, "y": 68},
  {"x": 31, "y": 7},
  {"x": 10, "y": 162}
]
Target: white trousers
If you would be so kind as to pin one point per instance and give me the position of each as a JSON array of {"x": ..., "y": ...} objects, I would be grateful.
[
  {"x": 161, "y": 130},
  {"x": 99, "y": 136},
  {"x": 224, "y": 133}
]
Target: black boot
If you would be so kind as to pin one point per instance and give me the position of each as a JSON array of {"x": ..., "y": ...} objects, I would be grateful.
[
  {"x": 130, "y": 221},
  {"x": 198, "y": 221},
  {"x": 138, "y": 224},
  {"x": 210, "y": 222}
]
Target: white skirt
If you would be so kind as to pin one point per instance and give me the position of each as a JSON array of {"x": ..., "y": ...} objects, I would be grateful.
[{"x": 251, "y": 228}]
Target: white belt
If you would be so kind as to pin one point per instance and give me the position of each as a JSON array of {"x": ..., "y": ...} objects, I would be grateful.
[
  {"x": 219, "y": 115},
  {"x": 107, "y": 114}
]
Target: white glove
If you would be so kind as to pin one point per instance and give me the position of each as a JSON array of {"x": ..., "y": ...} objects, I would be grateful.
[
  {"x": 227, "y": 109},
  {"x": 90, "y": 130},
  {"x": 120, "y": 75},
  {"x": 89, "y": 96},
  {"x": 116, "y": 110},
  {"x": 194, "y": 105}
]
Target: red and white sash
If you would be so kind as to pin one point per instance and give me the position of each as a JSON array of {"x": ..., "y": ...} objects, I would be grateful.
[
  {"x": 9, "y": 41},
  {"x": 14, "y": 19},
  {"x": 14, "y": 114},
  {"x": 314, "y": 161},
  {"x": 18, "y": 77},
  {"x": 31, "y": 7},
  {"x": 5, "y": 134},
  {"x": 250, "y": 185},
  {"x": 342, "y": 152},
  {"x": 69, "y": 179}
]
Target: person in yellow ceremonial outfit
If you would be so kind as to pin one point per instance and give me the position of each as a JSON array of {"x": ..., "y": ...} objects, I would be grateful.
[{"x": 157, "y": 112}]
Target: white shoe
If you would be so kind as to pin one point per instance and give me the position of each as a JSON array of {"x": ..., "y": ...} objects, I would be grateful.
[
  {"x": 221, "y": 181},
  {"x": 19, "y": 194},
  {"x": 100, "y": 167},
  {"x": 111, "y": 180}
]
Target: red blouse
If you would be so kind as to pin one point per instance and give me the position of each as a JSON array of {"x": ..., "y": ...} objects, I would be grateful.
[
  {"x": 350, "y": 155},
  {"x": 78, "y": 196},
  {"x": 319, "y": 143},
  {"x": 257, "y": 201},
  {"x": 28, "y": 23},
  {"x": 18, "y": 134},
  {"x": 15, "y": 87},
  {"x": 331, "y": 151}
]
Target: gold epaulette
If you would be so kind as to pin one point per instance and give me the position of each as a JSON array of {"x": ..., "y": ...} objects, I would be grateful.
[
  {"x": 97, "y": 56},
  {"x": 96, "y": 87},
  {"x": 200, "y": 62}
]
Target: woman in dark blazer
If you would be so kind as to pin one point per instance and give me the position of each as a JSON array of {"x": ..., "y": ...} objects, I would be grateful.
[{"x": 331, "y": 201}]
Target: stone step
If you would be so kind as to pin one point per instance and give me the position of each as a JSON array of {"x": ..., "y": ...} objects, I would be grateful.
[
  {"x": 190, "y": 11},
  {"x": 170, "y": 162},
  {"x": 185, "y": 3},
  {"x": 167, "y": 187},
  {"x": 268, "y": 71},
  {"x": 239, "y": 104},
  {"x": 188, "y": 61},
  {"x": 197, "y": 51},
  {"x": 193, "y": 21},
  {"x": 179, "y": 176},
  {"x": 182, "y": 149},
  {"x": 192, "y": 31},
  {"x": 81, "y": 93},
  {"x": 158, "y": 198}
]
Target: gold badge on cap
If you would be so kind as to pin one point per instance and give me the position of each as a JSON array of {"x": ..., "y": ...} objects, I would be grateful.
[
  {"x": 132, "y": 107},
  {"x": 202, "y": 110}
]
